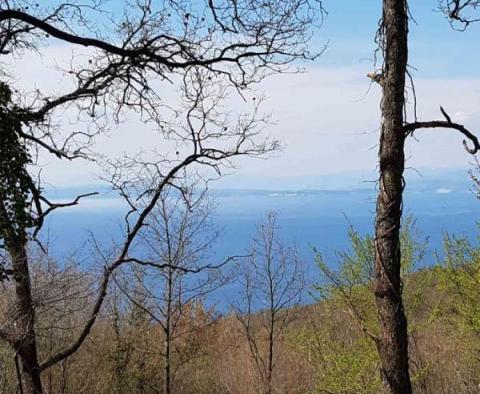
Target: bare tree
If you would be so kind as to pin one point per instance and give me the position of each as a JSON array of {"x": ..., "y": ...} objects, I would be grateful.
[
  {"x": 236, "y": 42},
  {"x": 176, "y": 275},
  {"x": 272, "y": 284},
  {"x": 213, "y": 139},
  {"x": 393, "y": 340}
]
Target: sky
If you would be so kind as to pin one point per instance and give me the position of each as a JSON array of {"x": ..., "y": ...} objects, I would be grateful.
[{"x": 328, "y": 117}]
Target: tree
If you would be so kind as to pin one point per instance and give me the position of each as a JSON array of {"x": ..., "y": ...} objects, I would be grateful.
[
  {"x": 235, "y": 43},
  {"x": 171, "y": 282},
  {"x": 272, "y": 284},
  {"x": 128, "y": 179},
  {"x": 393, "y": 341},
  {"x": 343, "y": 349},
  {"x": 458, "y": 273}
]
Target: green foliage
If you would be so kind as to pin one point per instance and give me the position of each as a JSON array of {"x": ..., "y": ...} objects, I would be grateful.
[
  {"x": 14, "y": 179},
  {"x": 343, "y": 351},
  {"x": 459, "y": 276},
  {"x": 356, "y": 266},
  {"x": 345, "y": 364}
]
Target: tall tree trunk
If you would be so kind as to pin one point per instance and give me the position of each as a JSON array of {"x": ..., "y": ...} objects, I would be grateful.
[
  {"x": 271, "y": 336},
  {"x": 15, "y": 218},
  {"x": 168, "y": 333},
  {"x": 393, "y": 341},
  {"x": 167, "y": 372},
  {"x": 25, "y": 345}
]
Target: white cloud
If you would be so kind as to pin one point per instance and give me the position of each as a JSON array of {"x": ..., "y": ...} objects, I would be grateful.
[
  {"x": 461, "y": 116},
  {"x": 328, "y": 118},
  {"x": 443, "y": 190}
]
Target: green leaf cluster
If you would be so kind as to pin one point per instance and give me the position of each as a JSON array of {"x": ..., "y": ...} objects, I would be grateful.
[{"x": 15, "y": 183}]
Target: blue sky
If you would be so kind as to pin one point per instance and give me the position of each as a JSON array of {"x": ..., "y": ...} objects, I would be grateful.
[
  {"x": 327, "y": 118},
  {"x": 435, "y": 49}
]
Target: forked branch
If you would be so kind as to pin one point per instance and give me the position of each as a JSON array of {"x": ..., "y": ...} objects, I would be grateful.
[
  {"x": 410, "y": 128},
  {"x": 213, "y": 138},
  {"x": 460, "y": 11}
]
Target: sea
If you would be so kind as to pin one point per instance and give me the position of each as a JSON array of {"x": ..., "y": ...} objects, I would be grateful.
[{"x": 307, "y": 218}]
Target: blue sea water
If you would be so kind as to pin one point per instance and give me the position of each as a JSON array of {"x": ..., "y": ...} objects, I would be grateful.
[
  {"x": 321, "y": 218},
  {"x": 307, "y": 218}
]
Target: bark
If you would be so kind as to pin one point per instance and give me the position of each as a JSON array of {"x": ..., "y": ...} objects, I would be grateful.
[
  {"x": 271, "y": 347},
  {"x": 392, "y": 343},
  {"x": 168, "y": 334},
  {"x": 271, "y": 327},
  {"x": 25, "y": 343}
]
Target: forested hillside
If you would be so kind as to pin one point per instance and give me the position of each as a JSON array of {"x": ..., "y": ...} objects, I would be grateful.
[{"x": 327, "y": 347}]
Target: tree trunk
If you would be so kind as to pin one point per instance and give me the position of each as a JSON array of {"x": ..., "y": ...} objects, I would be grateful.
[
  {"x": 15, "y": 218},
  {"x": 168, "y": 333},
  {"x": 393, "y": 341},
  {"x": 25, "y": 345},
  {"x": 271, "y": 340},
  {"x": 167, "y": 373}
]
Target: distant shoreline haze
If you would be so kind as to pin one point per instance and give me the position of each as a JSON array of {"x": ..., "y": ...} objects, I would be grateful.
[{"x": 438, "y": 201}]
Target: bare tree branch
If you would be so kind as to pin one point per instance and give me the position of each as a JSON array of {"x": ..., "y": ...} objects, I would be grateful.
[
  {"x": 410, "y": 128},
  {"x": 457, "y": 11}
]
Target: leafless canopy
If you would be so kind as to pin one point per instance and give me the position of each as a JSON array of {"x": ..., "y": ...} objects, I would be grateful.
[
  {"x": 124, "y": 60},
  {"x": 238, "y": 41},
  {"x": 460, "y": 12},
  {"x": 177, "y": 272},
  {"x": 273, "y": 282},
  {"x": 128, "y": 53}
]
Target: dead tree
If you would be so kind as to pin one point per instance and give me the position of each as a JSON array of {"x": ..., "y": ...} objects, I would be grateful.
[
  {"x": 272, "y": 284},
  {"x": 393, "y": 340}
]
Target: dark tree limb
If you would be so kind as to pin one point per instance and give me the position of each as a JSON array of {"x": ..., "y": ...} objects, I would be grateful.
[
  {"x": 64, "y": 35},
  {"x": 446, "y": 124},
  {"x": 148, "y": 51},
  {"x": 109, "y": 270},
  {"x": 42, "y": 214},
  {"x": 196, "y": 270},
  {"x": 242, "y": 134}
]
